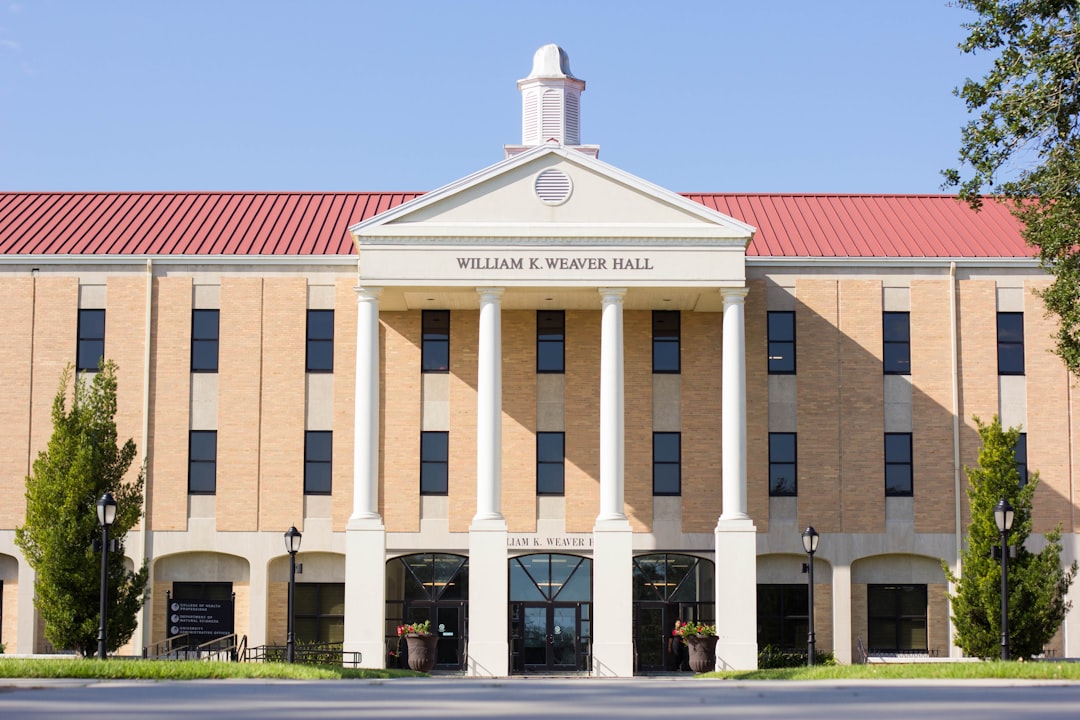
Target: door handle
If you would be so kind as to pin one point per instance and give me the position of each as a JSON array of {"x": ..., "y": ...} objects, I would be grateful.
[{"x": 551, "y": 639}]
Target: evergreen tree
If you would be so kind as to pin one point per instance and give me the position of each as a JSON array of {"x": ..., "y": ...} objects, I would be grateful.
[
  {"x": 1036, "y": 584},
  {"x": 82, "y": 463}
]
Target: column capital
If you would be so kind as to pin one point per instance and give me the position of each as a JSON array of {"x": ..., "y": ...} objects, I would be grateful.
[
  {"x": 493, "y": 293},
  {"x": 734, "y": 294},
  {"x": 612, "y": 294},
  {"x": 364, "y": 293}
]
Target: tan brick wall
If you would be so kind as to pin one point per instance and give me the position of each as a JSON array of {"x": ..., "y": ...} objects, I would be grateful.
[
  {"x": 464, "y": 337},
  {"x": 277, "y": 613},
  {"x": 1074, "y": 416},
  {"x": 978, "y": 371},
  {"x": 281, "y": 456},
  {"x": 345, "y": 320},
  {"x": 818, "y": 401},
  {"x": 823, "y": 617},
  {"x": 931, "y": 407},
  {"x": 1048, "y": 406},
  {"x": 859, "y": 619},
  {"x": 757, "y": 406},
  {"x": 702, "y": 342},
  {"x": 125, "y": 344},
  {"x": 937, "y": 620},
  {"x": 862, "y": 418},
  {"x": 240, "y": 378},
  {"x": 582, "y": 419},
  {"x": 16, "y": 328},
  {"x": 10, "y": 626},
  {"x": 170, "y": 401},
  {"x": 399, "y": 441},
  {"x": 638, "y": 419},
  {"x": 519, "y": 420}
]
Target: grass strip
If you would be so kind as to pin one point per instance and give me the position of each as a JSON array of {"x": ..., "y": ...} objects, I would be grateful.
[
  {"x": 1042, "y": 670},
  {"x": 113, "y": 669}
]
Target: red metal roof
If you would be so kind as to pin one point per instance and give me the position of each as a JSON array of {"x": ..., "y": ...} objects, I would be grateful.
[{"x": 295, "y": 223}]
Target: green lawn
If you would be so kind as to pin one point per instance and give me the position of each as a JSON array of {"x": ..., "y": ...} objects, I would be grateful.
[
  {"x": 914, "y": 671},
  {"x": 182, "y": 670}
]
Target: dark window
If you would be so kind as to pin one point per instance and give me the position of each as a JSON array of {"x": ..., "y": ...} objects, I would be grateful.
[
  {"x": 782, "y": 343},
  {"x": 550, "y": 454},
  {"x": 782, "y": 465},
  {"x": 219, "y": 591},
  {"x": 896, "y": 618},
  {"x": 91, "y": 340},
  {"x": 434, "y": 462},
  {"x": 898, "y": 470},
  {"x": 782, "y": 617},
  {"x": 896, "y": 327},
  {"x": 666, "y": 472},
  {"x": 665, "y": 341},
  {"x": 320, "y": 341},
  {"x": 436, "y": 341},
  {"x": 202, "y": 462},
  {"x": 1021, "y": 458},
  {"x": 550, "y": 341},
  {"x": 204, "y": 340},
  {"x": 1010, "y": 342},
  {"x": 318, "y": 453},
  {"x": 319, "y": 612}
]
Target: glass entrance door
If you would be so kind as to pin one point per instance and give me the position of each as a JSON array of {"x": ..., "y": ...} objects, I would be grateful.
[{"x": 550, "y": 637}]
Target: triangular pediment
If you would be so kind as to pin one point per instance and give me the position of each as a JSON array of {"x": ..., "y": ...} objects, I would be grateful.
[{"x": 553, "y": 193}]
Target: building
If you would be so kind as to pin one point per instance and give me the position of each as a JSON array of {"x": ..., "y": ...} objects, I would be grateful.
[{"x": 550, "y": 406}]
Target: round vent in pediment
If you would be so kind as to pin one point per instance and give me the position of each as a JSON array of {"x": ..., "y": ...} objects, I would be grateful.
[{"x": 553, "y": 187}]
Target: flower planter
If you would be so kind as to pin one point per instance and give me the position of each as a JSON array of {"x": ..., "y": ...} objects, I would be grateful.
[
  {"x": 421, "y": 651},
  {"x": 702, "y": 652}
]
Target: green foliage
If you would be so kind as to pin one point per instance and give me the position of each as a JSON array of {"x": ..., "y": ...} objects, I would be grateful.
[
  {"x": 1024, "y": 144},
  {"x": 1037, "y": 582},
  {"x": 771, "y": 657},
  {"x": 81, "y": 463}
]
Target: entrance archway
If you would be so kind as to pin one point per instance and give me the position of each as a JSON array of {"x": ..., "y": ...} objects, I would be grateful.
[
  {"x": 429, "y": 586},
  {"x": 550, "y": 613},
  {"x": 669, "y": 587}
]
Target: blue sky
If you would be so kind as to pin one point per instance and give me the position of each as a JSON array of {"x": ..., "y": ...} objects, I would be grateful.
[{"x": 696, "y": 96}]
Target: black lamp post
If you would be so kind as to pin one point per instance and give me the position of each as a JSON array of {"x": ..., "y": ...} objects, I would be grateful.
[
  {"x": 106, "y": 514},
  {"x": 292, "y": 545},
  {"x": 809, "y": 543},
  {"x": 1003, "y": 517}
]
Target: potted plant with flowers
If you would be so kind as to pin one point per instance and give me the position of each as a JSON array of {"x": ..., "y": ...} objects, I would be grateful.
[
  {"x": 701, "y": 639},
  {"x": 420, "y": 642}
]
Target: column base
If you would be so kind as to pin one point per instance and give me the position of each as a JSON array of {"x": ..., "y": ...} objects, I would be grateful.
[
  {"x": 736, "y": 595},
  {"x": 489, "y": 648},
  {"x": 612, "y": 609},
  {"x": 365, "y": 591}
]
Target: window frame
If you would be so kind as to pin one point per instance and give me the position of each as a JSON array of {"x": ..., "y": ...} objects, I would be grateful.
[
  {"x": 544, "y": 461},
  {"x": 319, "y": 352},
  {"x": 202, "y": 338},
  {"x": 1008, "y": 362},
  {"x": 323, "y": 465},
  {"x": 894, "y": 462},
  {"x": 777, "y": 364},
  {"x": 663, "y": 341},
  {"x": 440, "y": 341},
  {"x": 557, "y": 333},
  {"x": 86, "y": 339},
  {"x": 202, "y": 462},
  {"x": 320, "y": 619},
  {"x": 1021, "y": 453},
  {"x": 666, "y": 463},
  {"x": 898, "y": 361},
  {"x": 435, "y": 440},
  {"x": 776, "y": 463},
  {"x": 897, "y": 617},
  {"x": 793, "y": 624}
]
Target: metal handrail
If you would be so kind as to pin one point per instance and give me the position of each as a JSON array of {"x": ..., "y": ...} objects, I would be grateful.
[
  {"x": 170, "y": 647},
  {"x": 222, "y": 648},
  {"x": 306, "y": 654}
]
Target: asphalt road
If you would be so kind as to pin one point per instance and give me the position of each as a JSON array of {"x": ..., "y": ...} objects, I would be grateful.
[{"x": 527, "y": 699}]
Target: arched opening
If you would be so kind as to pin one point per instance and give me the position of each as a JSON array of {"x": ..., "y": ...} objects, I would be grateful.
[
  {"x": 669, "y": 587},
  {"x": 428, "y": 586},
  {"x": 550, "y": 613}
]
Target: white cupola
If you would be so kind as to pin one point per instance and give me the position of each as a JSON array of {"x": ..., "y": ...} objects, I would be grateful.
[{"x": 551, "y": 103}]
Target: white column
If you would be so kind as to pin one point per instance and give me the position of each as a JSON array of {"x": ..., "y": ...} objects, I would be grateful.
[
  {"x": 26, "y": 622},
  {"x": 365, "y": 535},
  {"x": 488, "y": 572},
  {"x": 736, "y": 536},
  {"x": 489, "y": 408},
  {"x": 841, "y": 622},
  {"x": 733, "y": 406},
  {"x": 613, "y": 649}
]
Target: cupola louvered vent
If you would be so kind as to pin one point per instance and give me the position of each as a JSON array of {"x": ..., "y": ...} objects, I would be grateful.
[
  {"x": 530, "y": 119},
  {"x": 571, "y": 128},
  {"x": 553, "y": 187},
  {"x": 552, "y": 116}
]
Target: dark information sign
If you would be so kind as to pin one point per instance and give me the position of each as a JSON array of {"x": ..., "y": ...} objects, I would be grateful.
[{"x": 202, "y": 619}]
